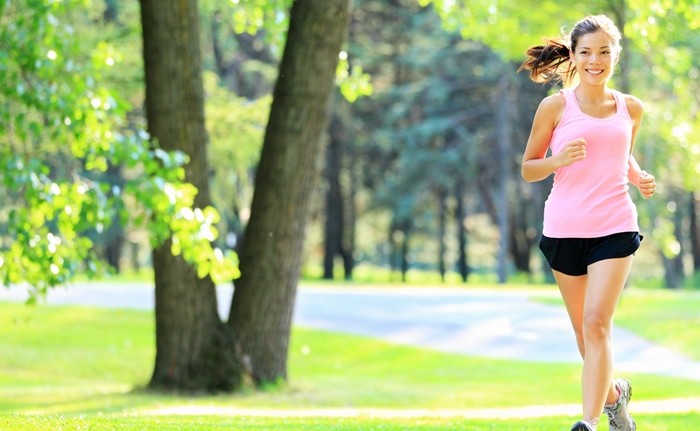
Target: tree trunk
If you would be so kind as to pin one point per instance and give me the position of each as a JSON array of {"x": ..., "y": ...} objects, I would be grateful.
[
  {"x": 185, "y": 305},
  {"x": 334, "y": 222},
  {"x": 519, "y": 244},
  {"x": 502, "y": 141},
  {"x": 404, "y": 253},
  {"x": 349, "y": 193},
  {"x": 270, "y": 257},
  {"x": 349, "y": 222},
  {"x": 114, "y": 238},
  {"x": 460, "y": 216},
  {"x": 442, "y": 233}
]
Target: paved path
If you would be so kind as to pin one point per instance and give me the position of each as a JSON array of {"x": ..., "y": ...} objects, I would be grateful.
[
  {"x": 501, "y": 324},
  {"x": 490, "y": 323}
]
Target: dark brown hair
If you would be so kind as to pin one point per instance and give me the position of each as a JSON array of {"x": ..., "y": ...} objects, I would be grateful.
[{"x": 550, "y": 62}]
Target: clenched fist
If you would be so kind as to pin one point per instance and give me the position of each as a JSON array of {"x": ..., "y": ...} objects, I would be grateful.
[
  {"x": 647, "y": 184},
  {"x": 572, "y": 152}
]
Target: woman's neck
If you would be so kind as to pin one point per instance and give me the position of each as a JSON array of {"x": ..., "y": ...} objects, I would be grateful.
[{"x": 592, "y": 94}]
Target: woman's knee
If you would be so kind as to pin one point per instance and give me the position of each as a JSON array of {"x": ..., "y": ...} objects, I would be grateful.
[{"x": 596, "y": 327}]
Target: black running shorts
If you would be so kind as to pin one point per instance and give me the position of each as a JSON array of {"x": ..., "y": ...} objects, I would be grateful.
[{"x": 573, "y": 255}]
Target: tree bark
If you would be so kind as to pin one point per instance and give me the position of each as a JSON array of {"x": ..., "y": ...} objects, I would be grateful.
[
  {"x": 270, "y": 257},
  {"x": 185, "y": 305},
  {"x": 334, "y": 222}
]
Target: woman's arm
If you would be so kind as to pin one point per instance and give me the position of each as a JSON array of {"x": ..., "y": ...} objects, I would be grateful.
[
  {"x": 536, "y": 165},
  {"x": 644, "y": 181}
]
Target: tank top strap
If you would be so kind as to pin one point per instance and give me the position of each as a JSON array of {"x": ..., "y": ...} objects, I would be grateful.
[
  {"x": 571, "y": 103},
  {"x": 621, "y": 104}
]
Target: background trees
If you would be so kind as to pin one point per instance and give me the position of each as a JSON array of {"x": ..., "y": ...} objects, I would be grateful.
[
  {"x": 368, "y": 218},
  {"x": 421, "y": 176}
]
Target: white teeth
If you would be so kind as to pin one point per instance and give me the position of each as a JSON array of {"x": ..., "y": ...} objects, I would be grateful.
[{"x": 594, "y": 72}]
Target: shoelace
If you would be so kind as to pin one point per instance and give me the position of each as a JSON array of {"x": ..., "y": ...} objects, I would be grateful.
[
  {"x": 612, "y": 412},
  {"x": 612, "y": 416}
]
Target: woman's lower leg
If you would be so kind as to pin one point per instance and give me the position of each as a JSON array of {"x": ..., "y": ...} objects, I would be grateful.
[
  {"x": 597, "y": 374},
  {"x": 606, "y": 281}
]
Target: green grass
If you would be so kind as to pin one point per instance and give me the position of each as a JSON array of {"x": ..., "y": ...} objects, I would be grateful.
[
  {"x": 76, "y": 368},
  {"x": 207, "y": 423},
  {"x": 669, "y": 317}
]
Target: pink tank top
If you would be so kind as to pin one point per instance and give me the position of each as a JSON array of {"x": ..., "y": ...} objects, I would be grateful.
[{"x": 591, "y": 198}]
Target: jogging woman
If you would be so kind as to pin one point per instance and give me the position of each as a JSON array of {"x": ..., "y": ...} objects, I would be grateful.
[{"x": 590, "y": 230}]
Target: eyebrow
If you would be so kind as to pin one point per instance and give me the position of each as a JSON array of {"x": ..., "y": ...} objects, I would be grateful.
[{"x": 602, "y": 47}]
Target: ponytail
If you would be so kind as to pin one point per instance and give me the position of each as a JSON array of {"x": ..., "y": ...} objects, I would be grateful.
[{"x": 545, "y": 62}]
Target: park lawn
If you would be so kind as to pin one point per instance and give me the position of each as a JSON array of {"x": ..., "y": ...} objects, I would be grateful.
[
  {"x": 668, "y": 317},
  {"x": 65, "y": 367},
  {"x": 209, "y": 423}
]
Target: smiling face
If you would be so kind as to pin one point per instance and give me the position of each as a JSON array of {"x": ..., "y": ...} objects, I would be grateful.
[{"x": 594, "y": 57}]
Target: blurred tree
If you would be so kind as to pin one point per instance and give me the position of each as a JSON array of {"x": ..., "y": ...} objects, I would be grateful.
[
  {"x": 424, "y": 141},
  {"x": 339, "y": 220}
]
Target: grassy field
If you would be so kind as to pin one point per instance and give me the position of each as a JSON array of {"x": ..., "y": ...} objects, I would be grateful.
[
  {"x": 651, "y": 423},
  {"x": 77, "y": 368},
  {"x": 665, "y": 316}
]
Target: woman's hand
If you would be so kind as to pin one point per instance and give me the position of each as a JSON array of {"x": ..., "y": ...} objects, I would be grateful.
[
  {"x": 572, "y": 152},
  {"x": 647, "y": 184}
]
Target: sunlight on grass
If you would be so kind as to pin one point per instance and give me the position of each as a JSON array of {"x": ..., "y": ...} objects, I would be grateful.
[
  {"x": 669, "y": 317},
  {"x": 78, "y": 368},
  {"x": 208, "y": 423}
]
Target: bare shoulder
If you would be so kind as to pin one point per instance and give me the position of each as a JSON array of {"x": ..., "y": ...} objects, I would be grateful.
[
  {"x": 634, "y": 106},
  {"x": 552, "y": 107},
  {"x": 553, "y": 102}
]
